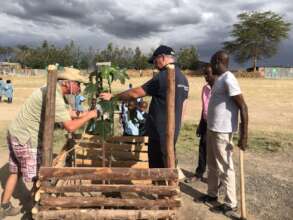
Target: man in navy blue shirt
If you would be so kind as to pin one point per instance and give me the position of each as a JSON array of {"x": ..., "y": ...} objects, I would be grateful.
[{"x": 157, "y": 88}]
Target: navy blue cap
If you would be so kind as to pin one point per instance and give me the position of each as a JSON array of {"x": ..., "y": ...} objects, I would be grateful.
[{"x": 161, "y": 50}]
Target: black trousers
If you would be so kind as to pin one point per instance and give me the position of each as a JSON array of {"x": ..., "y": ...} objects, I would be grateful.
[
  {"x": 157, "y": 152},
  {"x": 202, "y": 156}
]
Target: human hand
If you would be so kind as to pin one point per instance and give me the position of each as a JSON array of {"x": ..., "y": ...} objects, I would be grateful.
[
  {"x": 242, "y": 143},
  {"x": 93, "y": 113},
  {"x": 105, "y": 96}
]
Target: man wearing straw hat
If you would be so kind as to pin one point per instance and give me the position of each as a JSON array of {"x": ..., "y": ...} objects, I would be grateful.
[{"x": 25, "y": 133}]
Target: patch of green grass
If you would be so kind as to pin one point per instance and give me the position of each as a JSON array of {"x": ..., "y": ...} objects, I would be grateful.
[
  {"x": 258, "y": 140},
  {"x": 187, "y": 141},
  {"x": 272, "y": 142}
]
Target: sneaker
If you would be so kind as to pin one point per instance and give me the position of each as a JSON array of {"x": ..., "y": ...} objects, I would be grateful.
[
  {"x": 208, "y": 199},
  {"x": 225, "y": 209},
  {"x": 9, "y": 211}
]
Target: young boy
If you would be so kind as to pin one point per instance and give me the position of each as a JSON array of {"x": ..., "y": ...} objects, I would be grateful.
[
  {"x": 130, "y": 120},
  {"x": 142, "y": 110},
  {"x": 202, "y": 127},
  {"x": 79, "y": 99},
  {"x": 8, "y": 91}
]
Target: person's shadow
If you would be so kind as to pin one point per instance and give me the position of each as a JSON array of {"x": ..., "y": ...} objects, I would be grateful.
[
  {"x": 21, "y": 193},
  {"x": 197, "y": 195}
]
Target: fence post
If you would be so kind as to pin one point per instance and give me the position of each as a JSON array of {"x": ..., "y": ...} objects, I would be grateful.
[
  {"x": 47, "y": 145},
  {"x": 170, "y": 126}
]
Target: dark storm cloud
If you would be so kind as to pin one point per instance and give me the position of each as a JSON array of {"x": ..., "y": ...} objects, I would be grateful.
[
  {"x": 178, "y": 23},
  {"x": 126, "y": 27},
  {"x": 107, "y": 16},
  {"x": 49, "y": 12}
]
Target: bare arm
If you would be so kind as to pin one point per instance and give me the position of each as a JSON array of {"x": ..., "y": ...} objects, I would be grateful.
[
  {"x": 73, "y": 125},
  {"x": 126, "y": 95},
  {"x": 184, "y": 109},
  {"x": 239, "y": 100}
]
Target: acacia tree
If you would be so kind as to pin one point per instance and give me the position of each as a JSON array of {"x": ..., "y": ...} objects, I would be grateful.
[{"x": 256, "y": 36}]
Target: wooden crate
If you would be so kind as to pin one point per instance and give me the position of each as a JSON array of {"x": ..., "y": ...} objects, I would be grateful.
[
  {"x": 100, "y": 201},
  {"x": 117, "y": 151}
]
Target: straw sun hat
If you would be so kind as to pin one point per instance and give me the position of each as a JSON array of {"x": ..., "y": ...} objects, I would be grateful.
[{"x": 71, "y": 74}]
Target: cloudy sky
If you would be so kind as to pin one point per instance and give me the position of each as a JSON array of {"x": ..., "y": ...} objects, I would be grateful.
[{"x": 143, "y": 23}]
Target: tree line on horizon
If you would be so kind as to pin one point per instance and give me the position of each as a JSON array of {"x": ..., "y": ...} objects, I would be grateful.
[{"x": 39, "y": 57}]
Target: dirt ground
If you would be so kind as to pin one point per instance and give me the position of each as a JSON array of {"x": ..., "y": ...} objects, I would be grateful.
[
  {"x": 269, "y": 187},
  {"x": 269, "y": 176},
  {"x": 269, "y": 184}
]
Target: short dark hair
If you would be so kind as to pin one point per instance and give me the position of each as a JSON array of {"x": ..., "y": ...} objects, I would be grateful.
[{"x": 8, "y": 81}]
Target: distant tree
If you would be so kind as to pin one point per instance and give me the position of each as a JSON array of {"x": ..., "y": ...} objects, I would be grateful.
[
  {"x": 71, "y": 55},
  {"x": 87, "y": 59},
  {"x": 6, "y": 54},
  {"x": 257, "y": 36},
  {"x": 188, "y": 58},
  {"x": 140, "y": 61}
]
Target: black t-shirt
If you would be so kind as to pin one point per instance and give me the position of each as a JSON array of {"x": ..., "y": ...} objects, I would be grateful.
[{"x": 157, "y": 88}]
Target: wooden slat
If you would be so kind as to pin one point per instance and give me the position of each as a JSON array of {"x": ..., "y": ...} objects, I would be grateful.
[
  {"x": 130, "y": 164},
  {"x": 88, "y": 163},
  {"x": 106, "y": 214},
  {"x": 84, "y": 144},
  {"x": 127, "y": 147},
  {"x": 81, "y": 201},
  {"x": 96, "y": 163},
  {"x": 88, "y": 152},
  {"x": 92, "y": 138},
  {"x": 117, "y": 156},
  {"x": 132, "y": 139},
  {"x": 128, "y": 156},
  {"x": 73, "y": 173},
  {"x": 148, "y": 189},
  {"x": 113, "y": 146}
]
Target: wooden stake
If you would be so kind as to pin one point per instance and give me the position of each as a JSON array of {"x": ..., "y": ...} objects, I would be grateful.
[
  {"x": 170, "y": 126},
  {"x": 82, "y": 201},
  {"x": 82, "y": 173},
  {"x": 147, "y": 189},
  {"x": 106, "y": 214},
  {"x": 49, "y": 120},
  {"x": 242, "y": 186}
]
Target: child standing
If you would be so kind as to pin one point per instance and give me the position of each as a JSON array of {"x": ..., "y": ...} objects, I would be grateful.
[
  {"x": 8, "y": 89},
  {"x": 79, "y": 99},
  {"x": 142, "y": 110}
]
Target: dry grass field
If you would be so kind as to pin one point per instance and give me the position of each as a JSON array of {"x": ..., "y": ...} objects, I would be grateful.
[
  {"x": 269, "y": 101},
  {"x": 269, "y": 161}
]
